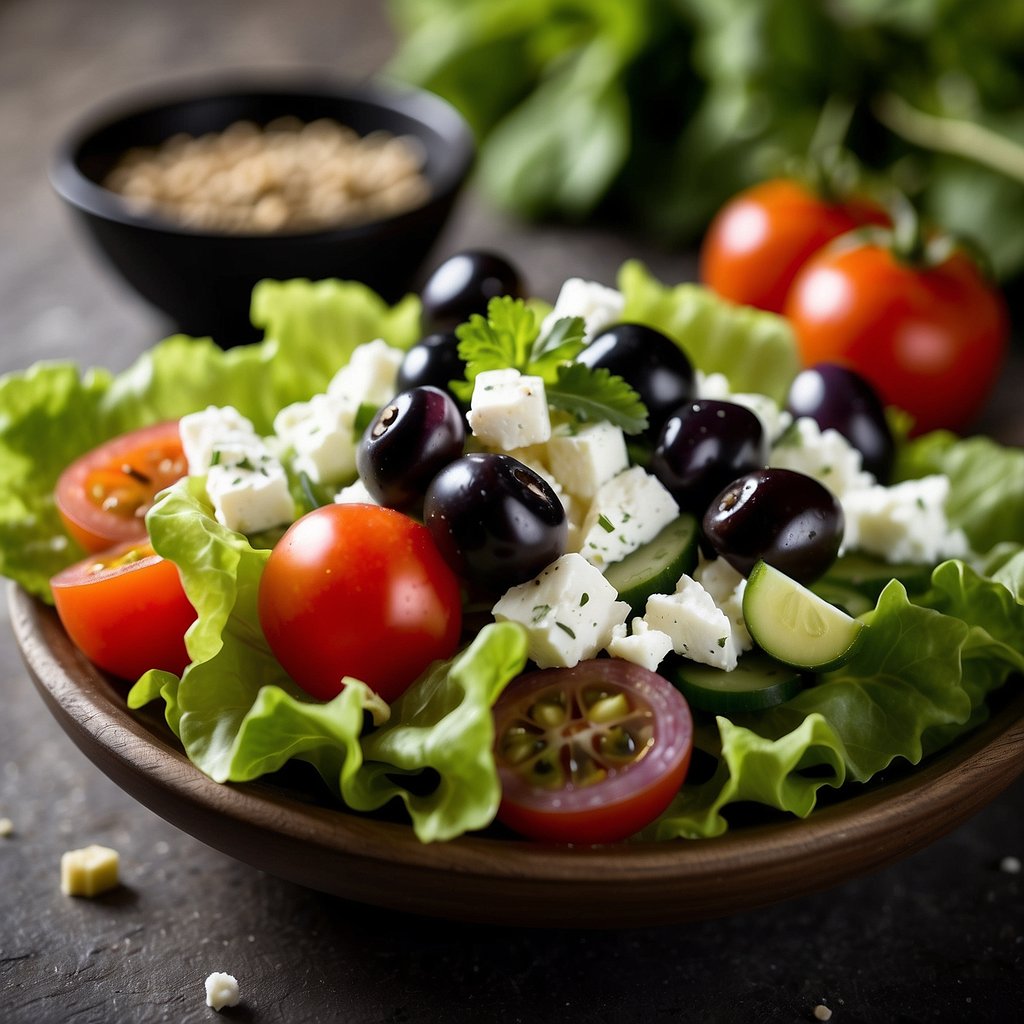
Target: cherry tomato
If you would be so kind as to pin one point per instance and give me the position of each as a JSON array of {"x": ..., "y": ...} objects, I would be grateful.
[
  {"x": 358, "y": 590},
  {"x": 103, "y": 497},
  {"x": 762, "y": 236},
  {"x": 125, "y": 609},
  {"x": 589, "y": 754},
  {"x": 931, "y": 339}
]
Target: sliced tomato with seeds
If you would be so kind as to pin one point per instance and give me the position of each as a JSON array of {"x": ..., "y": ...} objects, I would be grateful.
[
  {"x": 103, "y": 497},
  {"x": 126, "y": 610},
  {"x": 589, "y": 754}
]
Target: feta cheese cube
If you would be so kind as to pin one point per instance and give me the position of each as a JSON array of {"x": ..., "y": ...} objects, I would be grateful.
[
  {"x": 251, "y": 495},
  {"x": 221, "y": 990},
  {"x": 355, "y": 494},
  {"x": 627, "y": 511},
  {"x": 568, "y": 612},
  {"x": 644, "y": 646},
  {"x": 726, "y": 585},
  {"x": 321, "y": 433},
  {"x": 598, "y": 305},
  {"x": 509, "y": 410},
  {"x": 903, "y": 523},
  {"x": 586, "y": 458},
  {"x": 774, "y": 419},
  {"x": 202, "y": 431},
  {"x": 823, "y": 454},
  {"x": 711, "y": 385},
  {"x": 698, "y": 628},
  {"x": 370, "y": 375},
  {"x": 89, "y": 871}
]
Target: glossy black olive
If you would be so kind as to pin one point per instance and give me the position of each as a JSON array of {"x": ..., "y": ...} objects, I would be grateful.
[
  {"x": 494, "y": 520},
  {"x": 786, "y": 518},
  {"x": 464, "y": 284},
  {"x": 654, "y": 365},
  {"x": 409, "y": 441},
  {"x": 433, "y": 361},
  {"x": 703, "y": 446},
  {"x": 837, "y": 397}
]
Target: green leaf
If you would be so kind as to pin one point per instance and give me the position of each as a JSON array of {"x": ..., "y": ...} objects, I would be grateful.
[
  {"x": 755, "y": 350},
  {"x": 597, "y": 394},
  {"x": 501, "y": 340},
  {"x": 561, "y": 344}
]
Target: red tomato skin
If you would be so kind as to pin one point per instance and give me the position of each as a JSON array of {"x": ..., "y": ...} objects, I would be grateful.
[
  {"x": 628, "y": 799},
  {"x": 759, "y": 240},
  {"x": 127, "y": 619},
  {"x": 92, "y": 527},
  {"x": 930, "y": 340},
  {"x": 362, "y": 591}
]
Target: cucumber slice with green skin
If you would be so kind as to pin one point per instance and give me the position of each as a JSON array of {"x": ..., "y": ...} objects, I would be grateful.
[
  {"x": 794, "y": 625},
  {"x": 758, "y": 682},
  {"x": 655, "y": 567}
]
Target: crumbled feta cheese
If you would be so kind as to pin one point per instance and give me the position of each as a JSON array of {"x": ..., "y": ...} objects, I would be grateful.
[
  {"x": 711, "y": 385},
  {"x": 370, "y": 375},
  {"x": 627, "y": 511},
  {"x": 6, "y": 828},
  {"x": 903, "y": 523},
  {"x": 774, "y": 419},
  {"x": 355, "y": 494},
  {"x": 584, "y": 459},
  {"x": 644, "y": 646},
  {"x": 89, "y": 871},
  {"x": 568, "y": 612},
  {"x": 201, "y": 432},
  {"x": 509, "y": 410},
  {"x": 321, "y": 433},
  {"x": 726, "y": 585},
  {"x": 221, "y": 990},
  {"x": 251, "y": 494},
  {"x": 823, "y": 454},
  {"x": 1010, "y": 865},
  {"x": 598, "y": 305},
  {"x": 698, "y": 628}
]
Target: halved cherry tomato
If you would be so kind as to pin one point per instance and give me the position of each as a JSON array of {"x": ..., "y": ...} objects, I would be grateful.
[
  {"x": 589, "y": 754},
  {"x": 125, "y": 609},
  {"x": 103, "y": 496},
  {"x": 362, "y": 591},
  {"x": 759, "y": 240},
  {"x": 930, "y": 338}
]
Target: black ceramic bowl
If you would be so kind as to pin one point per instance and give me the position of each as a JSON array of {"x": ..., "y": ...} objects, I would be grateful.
[{"x": 203, "y": 280}]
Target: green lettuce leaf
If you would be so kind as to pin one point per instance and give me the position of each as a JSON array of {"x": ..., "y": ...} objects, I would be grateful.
[
  {"x": 53, "y": 412},
  {"x": 755, "y": 350}
]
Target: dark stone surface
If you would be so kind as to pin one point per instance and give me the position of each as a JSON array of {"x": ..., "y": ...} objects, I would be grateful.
[{"x": 938, "y": 937}]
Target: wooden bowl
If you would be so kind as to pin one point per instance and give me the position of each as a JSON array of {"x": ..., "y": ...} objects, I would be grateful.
[{"x": 502, "y": 881}]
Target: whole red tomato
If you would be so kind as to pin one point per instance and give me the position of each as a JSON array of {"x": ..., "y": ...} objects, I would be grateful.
[
  {"x": 759, "y": 240},
  {"x": 929, "y": 335},
  {"x": 358, "y": 590}
]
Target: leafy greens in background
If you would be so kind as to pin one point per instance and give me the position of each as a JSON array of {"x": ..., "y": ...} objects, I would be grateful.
[
  {"x": 932, "y": 655},
  {"x": 659, "y": 110}
]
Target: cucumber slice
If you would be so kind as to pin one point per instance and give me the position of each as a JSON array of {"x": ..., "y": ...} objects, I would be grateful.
[
  {"x": 758, "y": 682},
  {"x": 655, "y": 567},
  {"x": 793, "y": 624}
]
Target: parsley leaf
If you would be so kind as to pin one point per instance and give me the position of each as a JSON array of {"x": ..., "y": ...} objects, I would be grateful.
[
  {"x": 562, "y": 344},
  {"x": 498, "y": 341},
  {"x": 596, "y": 394}
]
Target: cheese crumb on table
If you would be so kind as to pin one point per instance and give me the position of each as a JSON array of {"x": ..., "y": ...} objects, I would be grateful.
[
  {"x": 221, "y": 990},
  {"x": 89, "y": 871},
  {"x": 6, "y": 827},
  {"x": 822, "y": 1012}
]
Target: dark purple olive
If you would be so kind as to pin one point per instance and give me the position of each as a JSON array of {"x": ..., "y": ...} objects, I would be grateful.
[
  {"x": 654, "y": 365},
  {"x": 433, "y": 361},
  {"x": 703, "y": 446},
  {"x": 494, "y": 520},
  {"x": 409, "y": 441},
  {"x": 837, "y": 397},
  {"x": 786, "y": 518},
  {"x": 464, "y": 284}
]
